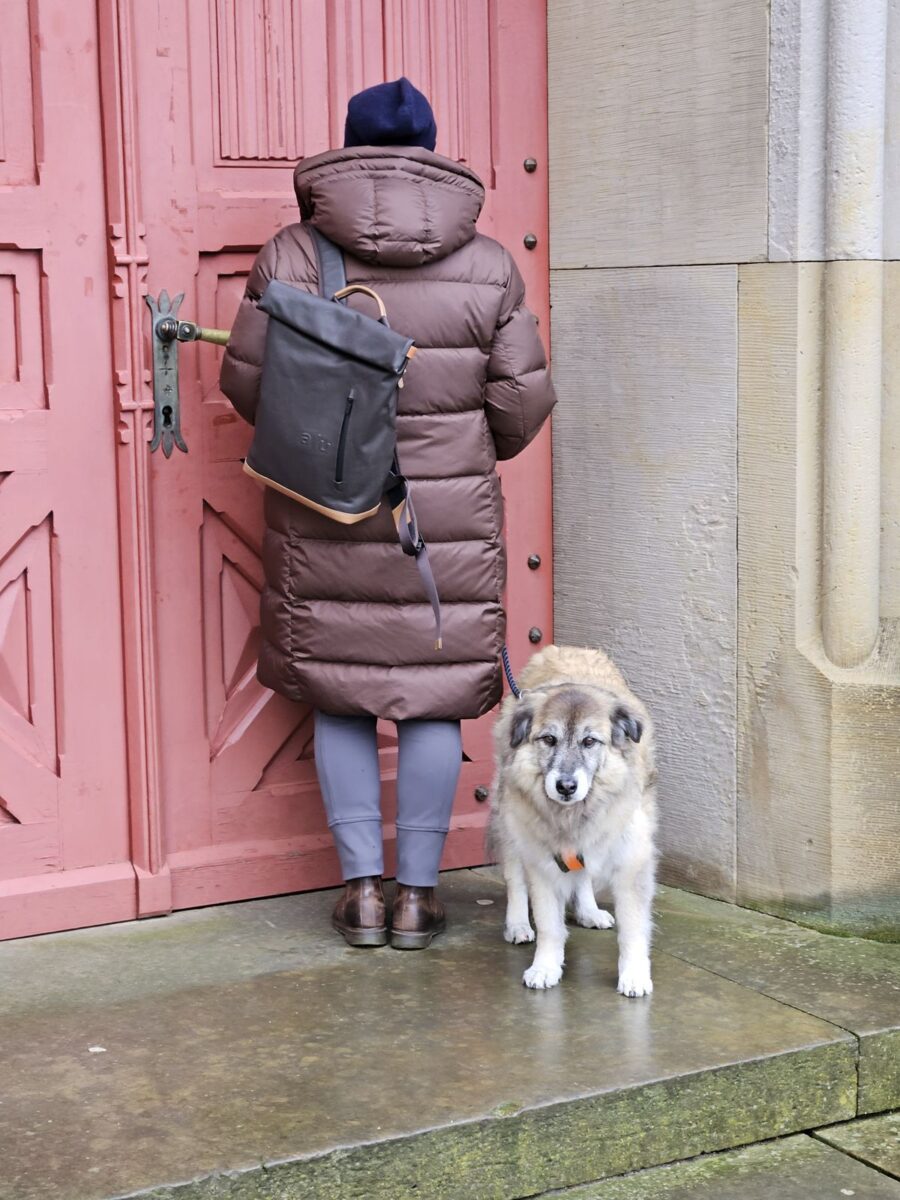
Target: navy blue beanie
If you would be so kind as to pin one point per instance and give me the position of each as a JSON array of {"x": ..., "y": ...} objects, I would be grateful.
[{"x": 390, "y": 114}]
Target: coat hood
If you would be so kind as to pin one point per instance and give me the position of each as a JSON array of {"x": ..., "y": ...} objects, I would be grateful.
[{"x": 399, "y": 206}]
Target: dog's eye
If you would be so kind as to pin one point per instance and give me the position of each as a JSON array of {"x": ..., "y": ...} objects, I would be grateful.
[
  {"x": 548, "y": 739},
  {"x": 589, "y": 741}
]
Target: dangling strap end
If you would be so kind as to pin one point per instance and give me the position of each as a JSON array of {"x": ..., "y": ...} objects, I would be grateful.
[{"x": 413, "y": 543}]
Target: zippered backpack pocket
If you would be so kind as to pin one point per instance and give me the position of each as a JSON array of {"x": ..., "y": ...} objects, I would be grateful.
[{"x": 342, "y": 438}]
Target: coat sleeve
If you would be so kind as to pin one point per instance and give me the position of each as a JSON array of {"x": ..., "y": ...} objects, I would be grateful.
[
  {"x": 519, "y": 393},
  {"x": 242, "y": 365}
]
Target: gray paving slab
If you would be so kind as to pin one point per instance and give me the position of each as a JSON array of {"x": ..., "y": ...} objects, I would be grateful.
[
  {"x": 796, "y": 1168},
  {"x": 874, "y": 1140},
  {"x": 849, "y": 981},
  {"x": 244, "y": 1051}
]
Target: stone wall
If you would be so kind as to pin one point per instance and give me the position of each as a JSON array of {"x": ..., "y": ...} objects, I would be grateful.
[{"x": 726, "y": 342}]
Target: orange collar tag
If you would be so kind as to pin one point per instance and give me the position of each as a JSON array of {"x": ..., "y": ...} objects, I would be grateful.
[{"x": 569, "y": 861}]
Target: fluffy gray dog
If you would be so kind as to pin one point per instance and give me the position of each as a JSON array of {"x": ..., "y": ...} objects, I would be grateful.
[{"x": 574, "y": 805}]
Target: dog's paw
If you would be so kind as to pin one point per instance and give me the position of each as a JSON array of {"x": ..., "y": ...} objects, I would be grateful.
[
  {"x": 635, "y": 980},
  {"x": 518, "y": 933},
  {"x": 598, "y": 919},
  {"x": 543, "y": 976}
]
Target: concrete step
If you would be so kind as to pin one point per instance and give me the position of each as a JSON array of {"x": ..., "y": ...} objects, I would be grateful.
[
  {"x": 873, "y": 1140},
  {"x": 244, "y": 1051},
  {"x": 849, "y": 981},
  {"x": 794, "y": 1168}
]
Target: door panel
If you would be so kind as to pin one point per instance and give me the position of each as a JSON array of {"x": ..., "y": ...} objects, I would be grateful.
[
  {"x": 64, "y": 843},
  {"x": 231, "y": 95},
  {"x": 141, "y": 765}
]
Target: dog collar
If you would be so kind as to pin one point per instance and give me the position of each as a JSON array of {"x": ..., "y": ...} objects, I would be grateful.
[{"x": 569, "y": 861}]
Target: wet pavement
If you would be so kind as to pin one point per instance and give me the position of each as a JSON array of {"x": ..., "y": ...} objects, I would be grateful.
[{"x": 244, "y": 1051}]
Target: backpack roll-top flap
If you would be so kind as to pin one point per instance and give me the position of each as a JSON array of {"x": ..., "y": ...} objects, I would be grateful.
[{"x": 335, "y": 325}]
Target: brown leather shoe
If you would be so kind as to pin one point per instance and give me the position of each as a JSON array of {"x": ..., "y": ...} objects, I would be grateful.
[
  {"x": 359, "y": 914},
  {"x": 417, "y": 918}
]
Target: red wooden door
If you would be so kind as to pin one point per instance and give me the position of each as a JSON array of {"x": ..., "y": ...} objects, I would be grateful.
[
  {"x": 64, "y": 833},
  {"x": 129, "y": 582},
  {"x": 230, "y": 93}
]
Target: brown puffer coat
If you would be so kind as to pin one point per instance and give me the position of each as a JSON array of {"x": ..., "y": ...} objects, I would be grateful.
[{"x": 346, "y": 625}]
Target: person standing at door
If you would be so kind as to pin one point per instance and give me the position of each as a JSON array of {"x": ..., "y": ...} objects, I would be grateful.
[{"x": 346, "y": 626}]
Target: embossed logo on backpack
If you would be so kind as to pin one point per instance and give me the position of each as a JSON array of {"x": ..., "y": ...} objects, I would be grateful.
[{"x": 315, "y": 441}]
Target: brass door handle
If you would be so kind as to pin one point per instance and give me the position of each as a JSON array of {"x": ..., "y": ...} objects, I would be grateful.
[
  {"x": 187, "y": 331},
  {"x": 167, "y": 332}
]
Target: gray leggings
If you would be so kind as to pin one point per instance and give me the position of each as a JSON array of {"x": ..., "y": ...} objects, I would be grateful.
[{"x": 430, "y": 758}]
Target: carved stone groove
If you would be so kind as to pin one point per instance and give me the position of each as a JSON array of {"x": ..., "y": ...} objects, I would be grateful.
[{"x": 832, "y": 107}]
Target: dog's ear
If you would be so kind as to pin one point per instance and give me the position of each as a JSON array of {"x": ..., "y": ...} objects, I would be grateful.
[
  {"x": 625, "y": 725},
  {"x": 521, "y": 724}
]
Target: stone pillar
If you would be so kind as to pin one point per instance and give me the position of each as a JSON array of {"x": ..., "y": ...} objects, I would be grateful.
[{"x": 726, "y": 338}]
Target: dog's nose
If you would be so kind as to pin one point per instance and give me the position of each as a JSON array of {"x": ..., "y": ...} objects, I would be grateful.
[{"x": 566, "y": 785}]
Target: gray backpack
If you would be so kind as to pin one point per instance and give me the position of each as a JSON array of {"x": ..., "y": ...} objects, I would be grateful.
[{"x": 326, "y": 423}]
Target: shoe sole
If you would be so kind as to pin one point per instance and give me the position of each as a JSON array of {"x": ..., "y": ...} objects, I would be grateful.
[
  {"x": 414, "y": 941},
  {"x": 361, "y": 937}
]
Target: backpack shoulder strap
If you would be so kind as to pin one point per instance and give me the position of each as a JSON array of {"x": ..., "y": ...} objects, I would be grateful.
[{"x": 330, "y": 262}]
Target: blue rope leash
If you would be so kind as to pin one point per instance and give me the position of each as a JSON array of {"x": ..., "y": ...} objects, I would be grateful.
[{"x": 510, "y": 678}]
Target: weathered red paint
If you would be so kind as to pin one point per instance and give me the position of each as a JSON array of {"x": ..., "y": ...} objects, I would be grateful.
[
  {"x": 137, "y": 643},
  {"x": 64, "y": 842}
]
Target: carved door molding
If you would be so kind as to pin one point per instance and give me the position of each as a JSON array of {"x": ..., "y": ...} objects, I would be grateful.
[
  {"x": 142, "y": 767},
  {"x": 230, "y": 96},
  {"x": 64, "y": 840}
]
